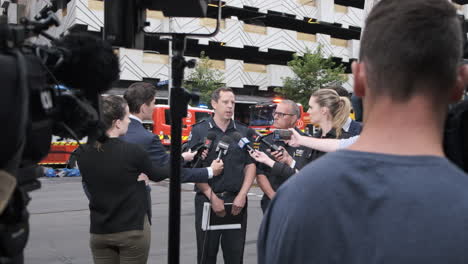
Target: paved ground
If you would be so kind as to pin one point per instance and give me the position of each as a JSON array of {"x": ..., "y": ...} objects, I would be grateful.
[{"x": 60, "y": 224}]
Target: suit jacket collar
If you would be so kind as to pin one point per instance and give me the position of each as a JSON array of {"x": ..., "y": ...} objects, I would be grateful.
[{"x": 136, "y": 118}]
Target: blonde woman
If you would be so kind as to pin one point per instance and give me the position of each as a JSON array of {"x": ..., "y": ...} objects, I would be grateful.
[{"x": 330, "y": 111}]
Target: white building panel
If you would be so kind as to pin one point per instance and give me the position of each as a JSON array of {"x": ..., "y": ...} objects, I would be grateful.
[
  {"x": 281, "y": 39},
  {"x": 325, "y": 10},
  {"x": 90, "y": 13},
  {"x": 131, "y": 61},
  {"x": 349, "y": 84},
  {"x": 325, "y": 42},
  {"x": 298, "y": 8},
  {"x": 234, "y": 71},
  {"x": 276, "y": 74},
  {"x": 341, "y": 52},
  {"x": 352, "y": 17},
  {"x": 354, "y": 46}
]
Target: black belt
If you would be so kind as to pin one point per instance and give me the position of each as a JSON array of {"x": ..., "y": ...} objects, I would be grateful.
[
  {"x": 226, "y": 194},
  {"x": 222, "y": 194}
]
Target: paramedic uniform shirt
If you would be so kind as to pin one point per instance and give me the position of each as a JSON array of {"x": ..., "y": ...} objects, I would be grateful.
[{"x": 235, "y": 160}]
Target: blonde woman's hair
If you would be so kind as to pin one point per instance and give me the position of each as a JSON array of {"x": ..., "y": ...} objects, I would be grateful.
[{"x": 339, "y": 107}]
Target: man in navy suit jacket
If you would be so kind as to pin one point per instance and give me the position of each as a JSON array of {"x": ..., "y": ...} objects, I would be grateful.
[{"x": 140, "y": 98}]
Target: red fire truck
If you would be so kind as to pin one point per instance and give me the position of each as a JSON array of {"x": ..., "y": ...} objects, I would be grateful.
[{"x": 161, "y": 124}]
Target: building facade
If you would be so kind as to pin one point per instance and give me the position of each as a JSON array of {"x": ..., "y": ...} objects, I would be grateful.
[{"x": 256, "y": 40}]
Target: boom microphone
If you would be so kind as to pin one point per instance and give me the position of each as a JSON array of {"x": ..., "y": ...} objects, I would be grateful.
[
  {"x": 223, "y": 146},
  {"x": 89, "y": 63},
  {"x": 242, "y": 142}
]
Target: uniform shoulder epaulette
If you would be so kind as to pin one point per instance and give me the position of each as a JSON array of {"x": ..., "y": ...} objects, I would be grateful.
[{"x": 199, "y": 122}]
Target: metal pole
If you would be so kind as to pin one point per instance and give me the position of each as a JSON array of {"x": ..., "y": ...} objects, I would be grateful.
[{"x": 178, "y": 104}]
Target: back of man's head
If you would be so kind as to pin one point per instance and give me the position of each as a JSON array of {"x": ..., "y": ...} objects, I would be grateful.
[
  {"x": 139, "y": 93},
  {"x": 340, "y": 90},
  {"x": 411, "y": 47}
]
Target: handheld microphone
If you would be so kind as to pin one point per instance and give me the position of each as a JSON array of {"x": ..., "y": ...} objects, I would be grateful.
[
  {"x": 242, "y": 142},
  {"x": 206, "y": 145},
  {"x": 260, "y": 137},
  {"x": 208, "y": 142},
  {"x": 223, "y": 146}
]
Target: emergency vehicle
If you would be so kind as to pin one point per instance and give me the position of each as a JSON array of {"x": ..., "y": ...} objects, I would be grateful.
[
  {"x": 161, "y": 124},
  {"x": 261, "y": 117}
]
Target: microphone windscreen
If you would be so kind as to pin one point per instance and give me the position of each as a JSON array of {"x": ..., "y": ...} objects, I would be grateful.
[
  {"x": 90, "y": 64},
  {"x": 211, "y": 135},
  {"x": 251, "y": 133},
  {"x": 236, "y": 136},
  {"x": 226, "y": 139}
]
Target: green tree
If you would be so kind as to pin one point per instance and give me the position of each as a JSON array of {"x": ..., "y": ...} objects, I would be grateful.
[
  {"x": 204, "y": 79},
  {"x": 312, "y": 71}
]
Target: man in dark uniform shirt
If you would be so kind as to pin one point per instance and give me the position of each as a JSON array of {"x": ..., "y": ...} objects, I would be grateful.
[
  {"x": 231, "y": 186},
  {"x": 269, "y": 179}
]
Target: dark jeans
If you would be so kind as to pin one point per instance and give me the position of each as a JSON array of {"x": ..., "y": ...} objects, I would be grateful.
[
  {"x": 264, "y": 203},
  {"x": 232, "y": 241}
]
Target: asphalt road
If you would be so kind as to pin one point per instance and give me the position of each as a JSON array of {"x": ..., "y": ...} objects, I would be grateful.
[{"x": 60, "y": 224}]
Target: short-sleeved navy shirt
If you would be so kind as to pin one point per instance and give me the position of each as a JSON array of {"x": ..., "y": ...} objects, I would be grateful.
[
  {"x": 301, "y": 155},
  {"x": 358, "y": 207},
  {"x": 232, "y": 178}
]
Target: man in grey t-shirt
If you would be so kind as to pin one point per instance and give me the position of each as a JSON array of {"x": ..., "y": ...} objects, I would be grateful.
[{"x": 391, "y": 197}]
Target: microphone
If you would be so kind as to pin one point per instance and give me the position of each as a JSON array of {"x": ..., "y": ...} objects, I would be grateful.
[
  {"x": 88, "y": 63},
  {"x": 223, "y": 146},
  {"x": 208, "y": 142},
  {"x": 206, "y": 145},
  {"x": 260, "y": 137},
  {"x": 243, "y": 142}
]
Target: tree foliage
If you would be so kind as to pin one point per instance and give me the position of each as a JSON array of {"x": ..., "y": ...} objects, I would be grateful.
[
  {"x": 311, "y": 72},
  {"x": 204, "y": 79}
]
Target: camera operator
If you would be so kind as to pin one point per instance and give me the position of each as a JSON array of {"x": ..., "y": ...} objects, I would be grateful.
[
  {"x": 35, "y": 108},
  {"x": 289, "y": 158}
]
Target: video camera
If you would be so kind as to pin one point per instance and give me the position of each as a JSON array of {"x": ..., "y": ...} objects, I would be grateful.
[{"x": 46, "y": 90}]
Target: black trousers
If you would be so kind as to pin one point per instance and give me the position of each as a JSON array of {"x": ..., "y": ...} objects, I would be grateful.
[
  {"x": 232, "y": 241},
  {"x": 264, "y": 203}
]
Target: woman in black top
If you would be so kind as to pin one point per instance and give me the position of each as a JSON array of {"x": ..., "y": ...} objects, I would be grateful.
[
  {"x": 330, "y": 111},
  {"x": 120, "y": 231}
]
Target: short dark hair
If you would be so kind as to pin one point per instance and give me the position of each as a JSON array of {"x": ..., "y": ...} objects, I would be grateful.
[
  {"x": 340, "y": 90},
  {"x": 139, "y": 93},
  {"x": 113, "y": 108},
  {"x": 216, "y": 93},
  {"x": 411, "y": 47}
]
